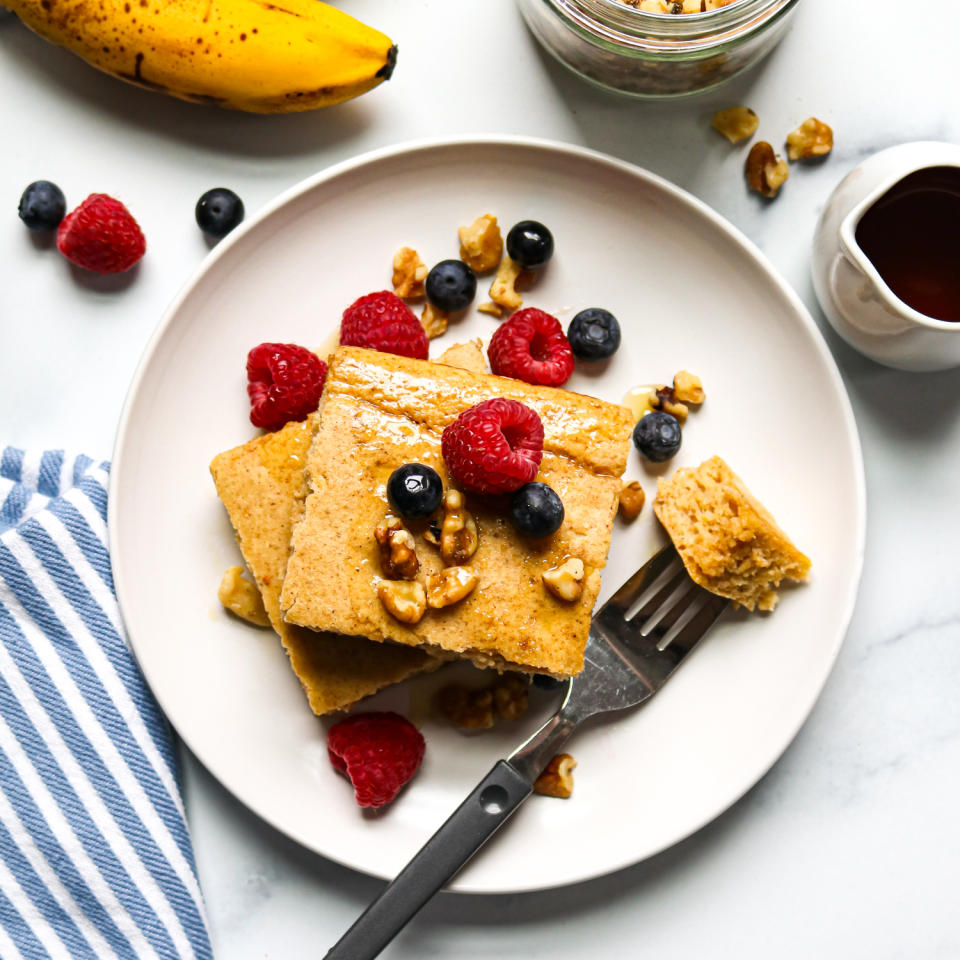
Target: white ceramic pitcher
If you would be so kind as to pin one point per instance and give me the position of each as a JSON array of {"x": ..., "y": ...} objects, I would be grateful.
[{"x": 858, "y": 303}]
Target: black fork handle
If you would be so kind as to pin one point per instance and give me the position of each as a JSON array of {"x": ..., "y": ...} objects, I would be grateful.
[{"x": 475, "y": 821}]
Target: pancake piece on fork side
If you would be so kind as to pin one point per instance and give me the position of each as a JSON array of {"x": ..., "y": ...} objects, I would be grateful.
[{"x": 728, "y": 541}]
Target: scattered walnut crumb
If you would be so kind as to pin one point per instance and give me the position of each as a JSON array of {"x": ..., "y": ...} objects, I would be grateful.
[
  {"x": 736, "y": 123},
  {"x": 398, "y": 550},
  {"x": 404, "y": 599},
  {"x": 632, "y": 499},
  {"x": 507, "y": 697},
  {"x": 409, "y": 274},
  {"x": 449, "y": 586},
  {"x": 813, "y": 138},
  {"x": 766, "y": 172},
  {"x": 688, "y": 388},
  {"x": 242, "y": 598},
  {"x": 503, "y": 290},
  {"x": 557, "y": 779},
  {"x": 433, "y": 321},
  {"x": 491, "y": 308},
  {"x": 566, "y": 580},
  {"x": 481, "y": 245}
]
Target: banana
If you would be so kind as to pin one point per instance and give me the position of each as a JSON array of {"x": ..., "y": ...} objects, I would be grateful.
[{"x": 252, "y": 55}]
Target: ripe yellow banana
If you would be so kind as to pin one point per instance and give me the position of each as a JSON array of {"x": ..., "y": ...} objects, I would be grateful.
[{"x": 252, "y": 55}]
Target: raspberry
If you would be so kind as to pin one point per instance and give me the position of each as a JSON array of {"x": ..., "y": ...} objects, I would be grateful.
[
  {"x": 379, "y": 752},
  {"x": 100, "y": 235},
  {"x": 531, "y": 346},
  {"x": 285, "y": 383},
  {"x": 494, "y": 447},
  {"x": 382, "y": 321}
]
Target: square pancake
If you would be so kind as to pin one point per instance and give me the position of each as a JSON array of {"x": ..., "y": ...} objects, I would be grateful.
[
  {"x": 380, "y": 411},
  {"x": 257, "y": 483}
]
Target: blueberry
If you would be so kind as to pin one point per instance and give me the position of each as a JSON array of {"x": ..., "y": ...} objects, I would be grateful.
[
  {"x": 451, "y": 285},
  {"x": 415, "y": 490},
  {"x": 42, "y": 205},
  {"x": 218, "y": 211},
  {"x": 546, "y": 682},
  {"x": 594, "y": 334},
  {"x": 657, "y": 436},
  {"x": 530, "y": 244},
  {"x": 536, "y": 510}
]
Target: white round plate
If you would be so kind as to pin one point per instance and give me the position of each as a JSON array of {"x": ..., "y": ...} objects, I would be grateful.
[{"x": 691, "y": 293}]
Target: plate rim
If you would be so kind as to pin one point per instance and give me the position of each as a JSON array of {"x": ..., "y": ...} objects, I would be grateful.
[{"x": 553, "y": 147}]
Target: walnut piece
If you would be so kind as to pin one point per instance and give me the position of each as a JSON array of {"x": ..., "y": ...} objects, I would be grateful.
[
  {"x": 688, "y": 388},
  {"x": 736, "y": 123},
  {"x": 557, "y": 779},
  {"x": 766, "y": 172},
  {"x": 491, "y": 308},
  {"x": 668, "y": 403},
  {"x": 481, "y": 245},
  {"x": 449, "y": 586},
  {"x": 566, "y": 580},
  {"x": 404, "y": 599},
  {"x": 503, "y": 290},
  {"x": 511, "y": 695},
  {"x": 813, "y": 138},
  {"x": 506, "y": 697},
  {"x": 632, "y": 499},
  {"x": 398, "y": 550},
  {"x": 409, "y": 274},
  {"x": 433, "y": 321},
  {"x": 241, "y": 597},
  {"x": 466, "y": 708},
  {"x": 459, "y": 537}
]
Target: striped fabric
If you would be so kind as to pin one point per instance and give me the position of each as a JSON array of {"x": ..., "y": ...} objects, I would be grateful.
[{"x": 95, "y": 858}]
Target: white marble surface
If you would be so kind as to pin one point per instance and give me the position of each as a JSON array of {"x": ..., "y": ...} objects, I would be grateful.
[{"x": 850, "y": 847}]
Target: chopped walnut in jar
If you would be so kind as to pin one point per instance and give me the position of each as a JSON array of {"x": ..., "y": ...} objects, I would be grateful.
[
  {"x": 766, "y": 172},
  {"x": 677, "y": 6},
  {"x": 481, "y": 245},
  {"x": 736, "y": 123},
  {"x": 813, "y": 138},
  {"x": 409, "y": 274},
  {"x": 557, "y": 779}
]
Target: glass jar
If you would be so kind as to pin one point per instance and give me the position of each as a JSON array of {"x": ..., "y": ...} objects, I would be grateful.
[{"x": 654, "y": 54}]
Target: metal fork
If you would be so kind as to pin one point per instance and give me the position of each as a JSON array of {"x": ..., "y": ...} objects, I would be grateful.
[{"x": 637, "y": 639}]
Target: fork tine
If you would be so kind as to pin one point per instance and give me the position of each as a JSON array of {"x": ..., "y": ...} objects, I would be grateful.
[
  {"x": 615, "y": 610},
  {"x": 689, "y": 634}
]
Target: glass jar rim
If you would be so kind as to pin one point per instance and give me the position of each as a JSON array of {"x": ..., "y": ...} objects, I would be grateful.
[{"x": 620, "y": 24}]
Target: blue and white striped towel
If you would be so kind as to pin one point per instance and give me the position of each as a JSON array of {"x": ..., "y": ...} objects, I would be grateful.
[{"x": 95, "y": 858}]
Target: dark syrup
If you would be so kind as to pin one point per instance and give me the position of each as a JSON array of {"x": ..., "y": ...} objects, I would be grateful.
[{"x": 912, "y": 236}]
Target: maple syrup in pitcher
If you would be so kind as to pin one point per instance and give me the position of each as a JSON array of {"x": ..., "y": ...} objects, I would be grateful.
[{"x": 912, "y": 236}]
